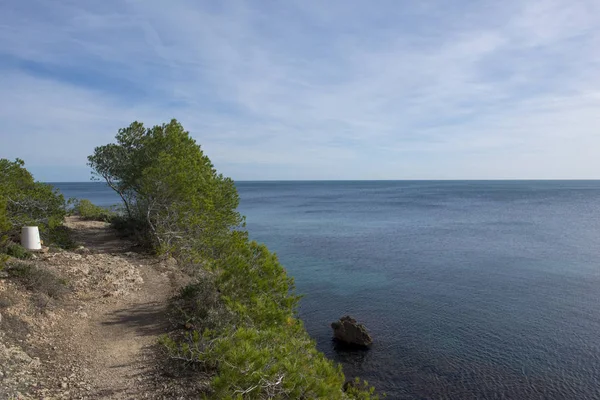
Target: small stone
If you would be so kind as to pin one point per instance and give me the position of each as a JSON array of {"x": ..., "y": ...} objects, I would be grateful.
[
  {"x": 171, "y": 262},
  {"x": 64, "y": 385},
  {"x": 82, "y": 250}
]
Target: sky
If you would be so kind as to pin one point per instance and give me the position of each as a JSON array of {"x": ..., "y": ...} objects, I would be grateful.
[{"x": 306, "y": 89}]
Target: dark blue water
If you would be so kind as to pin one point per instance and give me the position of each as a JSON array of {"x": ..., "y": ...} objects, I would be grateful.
[{"x": 472, "y": 290}]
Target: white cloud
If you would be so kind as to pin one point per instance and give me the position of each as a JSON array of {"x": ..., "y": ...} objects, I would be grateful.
[{"x": 312, "y": 90}]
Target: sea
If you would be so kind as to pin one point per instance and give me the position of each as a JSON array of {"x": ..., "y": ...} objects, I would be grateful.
[{"x": 470, "y": 289}]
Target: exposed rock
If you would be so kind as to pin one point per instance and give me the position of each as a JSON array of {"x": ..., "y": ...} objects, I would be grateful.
[
  {"x": 348, "y": 331},
  {"x": 16, "y": 371},
  {"x": 171, "y": 262}
]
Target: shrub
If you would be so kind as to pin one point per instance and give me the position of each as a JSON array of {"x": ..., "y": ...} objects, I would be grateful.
[
  {"x": 17, "y": 251},
  {"x": 276, "y": 363},
  {"x": 26, "y": 202},
  {"x": 361, "y": 390},
  {"x": 3, "y": 259},
  {"x": 284, "y": 362},
  {"x": 131, "y": 228},
  {"x": 200, "y": 306},
  {"x": 91, "y": 212},
  {"x": 254, "y": 284},
  {"x": 61, "y": 236}
]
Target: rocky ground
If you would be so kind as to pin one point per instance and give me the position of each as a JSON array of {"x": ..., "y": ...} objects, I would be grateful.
[{"x": 85, "y": 326}]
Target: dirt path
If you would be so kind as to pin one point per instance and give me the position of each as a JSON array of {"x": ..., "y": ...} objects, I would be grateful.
[{"x": 104, "y": 347}]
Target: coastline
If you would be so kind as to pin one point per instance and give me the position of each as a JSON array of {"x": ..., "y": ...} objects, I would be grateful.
[{"x": 95, "y": 334}]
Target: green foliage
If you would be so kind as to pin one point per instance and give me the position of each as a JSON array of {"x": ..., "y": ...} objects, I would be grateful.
[
  {"x": 169, "y": 187},
  {"x": 3, "y": 259},
  {"x": 201, "y": 307},
  {"x": 5, "y": 224},
  {"x": 61, "y": 237},
  {"x": 361, "y": 390},
  {"x": 275, "y": 363},
  {"x": 239, "y": 316},
  {"x": 133, "y": 229},
  {"x": 26, "y": 202},
  {"x": 91, "y": 212},
  {"x": 16, "y": 251},
  {"x": 254, "y": 284}
]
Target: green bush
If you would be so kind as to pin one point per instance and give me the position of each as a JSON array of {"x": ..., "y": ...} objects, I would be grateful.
[
  {"x": 3, "y": 259},
  {"x": 131, "y": 228},
  {"x": 254, "y": 284},
  {"x": 277, "y": 363},
  {"x": 200, "y": 306},
  {"x": 284, "y": 363},
  {"x": 26, "y": 202},
  {"x": 61, "y": 236},
  {"x": 361, "y": 390},
  {"x": 17, "y": 251},
  {"x": 91, "y": 212}
]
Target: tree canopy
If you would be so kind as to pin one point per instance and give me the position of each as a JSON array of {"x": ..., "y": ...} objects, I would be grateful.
[{"x": 170, "y": 186}]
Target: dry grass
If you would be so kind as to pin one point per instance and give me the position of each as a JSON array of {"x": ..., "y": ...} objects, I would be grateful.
[{"x": 37, "y": 279}]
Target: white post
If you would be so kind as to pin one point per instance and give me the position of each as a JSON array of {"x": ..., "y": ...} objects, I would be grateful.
[{"x": 30, "y": 238}]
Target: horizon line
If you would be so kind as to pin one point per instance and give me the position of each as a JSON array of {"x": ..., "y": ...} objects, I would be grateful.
[{"x": 386, "y": 180}]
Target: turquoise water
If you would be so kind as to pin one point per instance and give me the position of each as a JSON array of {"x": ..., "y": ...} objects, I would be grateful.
[{"x": 472, "y": 290}]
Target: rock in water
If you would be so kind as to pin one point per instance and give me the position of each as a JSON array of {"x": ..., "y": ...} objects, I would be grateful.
[{"x": 348, "y": 331}]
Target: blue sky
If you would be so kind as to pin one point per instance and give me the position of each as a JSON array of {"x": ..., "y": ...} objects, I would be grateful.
[{"x": 301, "y": 89}]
